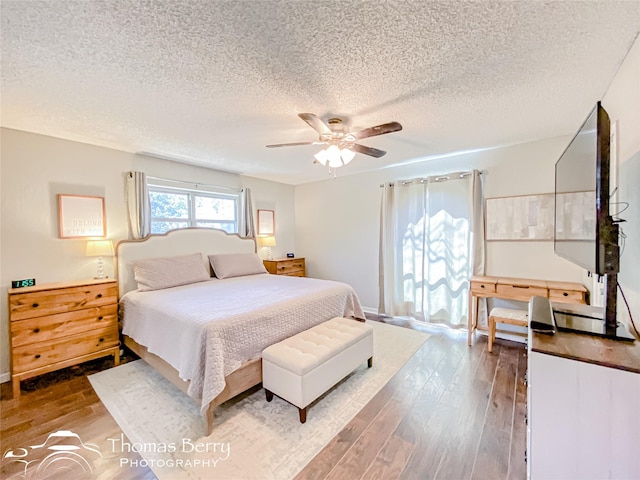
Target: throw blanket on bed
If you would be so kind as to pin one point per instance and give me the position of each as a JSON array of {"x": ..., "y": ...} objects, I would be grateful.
[{"x": 207, "y": 330}]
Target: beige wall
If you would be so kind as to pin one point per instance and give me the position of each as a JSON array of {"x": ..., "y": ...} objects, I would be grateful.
[{"x": 35, "y": 168}]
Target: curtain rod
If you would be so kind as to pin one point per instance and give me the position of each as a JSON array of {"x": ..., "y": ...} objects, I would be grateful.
[
  {"x": 197, "y": 184},
  {"x": 437, "y": 178}
]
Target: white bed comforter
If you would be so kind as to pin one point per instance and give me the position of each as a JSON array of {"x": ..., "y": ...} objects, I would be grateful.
[{"x": 207, "y": 330}]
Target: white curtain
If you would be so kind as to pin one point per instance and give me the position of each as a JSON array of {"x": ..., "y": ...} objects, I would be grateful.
[
  {"x": 138, "y": 205},
  {"x": 431, "y": 242},
  {"x": 246, "y": 226}
]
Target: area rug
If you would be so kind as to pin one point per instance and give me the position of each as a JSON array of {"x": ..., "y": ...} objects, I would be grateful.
[{"x": 252, "y": 439}]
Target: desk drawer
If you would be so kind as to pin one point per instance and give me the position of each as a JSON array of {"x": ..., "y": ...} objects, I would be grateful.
[
  {"x": 483, "y": 287},
  {"x": 567, "y": 296},
  {"x": 520, "y": 292}
]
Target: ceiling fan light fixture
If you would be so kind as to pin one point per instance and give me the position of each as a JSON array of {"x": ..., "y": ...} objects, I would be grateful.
[
  {"x": 347, "y": 155},
  {"x": 334, "y": 157},
  {"x": 321, "y": 157},
  {"x": 342, "y": 146}
]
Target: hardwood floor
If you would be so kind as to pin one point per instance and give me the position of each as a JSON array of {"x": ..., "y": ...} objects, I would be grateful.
[
  {"x": 452, "y": 412},
  {"x": 62, "y": 400}
]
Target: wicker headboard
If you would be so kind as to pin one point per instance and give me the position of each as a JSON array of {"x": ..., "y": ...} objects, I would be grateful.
[{"x": 176, "y": 242}]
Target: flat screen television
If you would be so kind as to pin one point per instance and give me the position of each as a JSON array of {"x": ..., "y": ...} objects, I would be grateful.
[{"x": 585, "y": 232}]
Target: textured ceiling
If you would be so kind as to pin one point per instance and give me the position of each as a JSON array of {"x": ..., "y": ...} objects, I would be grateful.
[{"x": 213, "y": 82}]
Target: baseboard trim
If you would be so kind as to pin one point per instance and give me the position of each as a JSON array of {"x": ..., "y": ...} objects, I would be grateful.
[{"x": 5, "y": 377}]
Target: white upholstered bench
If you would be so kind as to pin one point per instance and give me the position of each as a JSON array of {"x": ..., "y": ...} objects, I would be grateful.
[
  {"x": 301, "y": 368},
  {"x": 511, "y": 316}
]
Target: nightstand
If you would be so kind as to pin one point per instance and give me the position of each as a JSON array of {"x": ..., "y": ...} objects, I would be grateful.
[
  {"x": 293, "y": 267},
  {"x": 57, "y": 325}
]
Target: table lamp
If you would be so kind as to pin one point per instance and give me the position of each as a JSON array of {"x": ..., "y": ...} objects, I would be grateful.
[
  {"x": 100, "y": 248},
  {"x": 267, "y": 242}
]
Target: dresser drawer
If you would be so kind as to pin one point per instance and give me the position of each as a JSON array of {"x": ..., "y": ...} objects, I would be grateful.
[
  {"x": 40, "y": 329},
  {"x": 31, "y": 357},
  {"x": 567, "y": 296},
  {"x": 293, "y": 267},
  {"x": 49, "y": 302},
  {"x": 290, "y": 267},
  {"x": 297, "y": 273}
]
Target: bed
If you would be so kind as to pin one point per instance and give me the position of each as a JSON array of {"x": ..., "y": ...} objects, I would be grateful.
[{"x": 206, "y": 336}]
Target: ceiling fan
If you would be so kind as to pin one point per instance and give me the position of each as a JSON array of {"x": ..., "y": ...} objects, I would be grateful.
[{"x": 342, "y": 145}]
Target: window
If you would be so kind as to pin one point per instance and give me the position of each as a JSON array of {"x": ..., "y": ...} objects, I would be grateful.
[{"x": 173, "y": 208}]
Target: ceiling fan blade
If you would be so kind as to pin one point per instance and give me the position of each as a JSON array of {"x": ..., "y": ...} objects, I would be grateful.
[
  {"x": 315, "y": 123},
  {"x": 291, "y": 144},
  {"x": 378, "y": 130},
  {"x": 374, "y": 152}
]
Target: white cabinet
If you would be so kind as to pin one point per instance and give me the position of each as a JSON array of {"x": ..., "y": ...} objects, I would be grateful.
[{"x": 583, "y": 418}]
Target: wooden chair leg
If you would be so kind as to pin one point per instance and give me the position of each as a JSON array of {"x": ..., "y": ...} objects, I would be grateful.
[
  {"x": 269, "y": 395},
  {"x": 303, "y": 414},
  {"x": 370, "y": 362},
  {"x": 492, "y": 333}
]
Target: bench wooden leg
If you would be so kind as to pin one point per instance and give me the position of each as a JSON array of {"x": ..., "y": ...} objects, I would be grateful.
[
  {"x": 370, "y": 362},
  {"x": 492, "y": 333},
  {"x": 303, "y": 414},
  {"x": 269, "y": 395}
]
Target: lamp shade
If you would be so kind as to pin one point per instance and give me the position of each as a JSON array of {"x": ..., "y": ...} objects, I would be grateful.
[
  {"x": 267, "y": 241},
  {"x": 322, "y": 157},
  {"x": 99, "y": 248},
  {"x": 347, "y": 155}
]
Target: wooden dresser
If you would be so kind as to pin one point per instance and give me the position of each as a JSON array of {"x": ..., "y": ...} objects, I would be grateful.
[
  {"x": 294, "y": 267},
  {"x": 57, "y": 325}
]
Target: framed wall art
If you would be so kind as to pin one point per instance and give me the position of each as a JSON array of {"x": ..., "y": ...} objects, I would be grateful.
[
  {"x": 524, "y": 217},
  {"x": 266, "y": 224},
  {"x": 81, "y": 216}
]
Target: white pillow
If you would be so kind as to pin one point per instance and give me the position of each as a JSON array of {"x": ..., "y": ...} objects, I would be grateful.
[
  {"x": 236, "y": 264},
  {"x": 166, "y": 272}
]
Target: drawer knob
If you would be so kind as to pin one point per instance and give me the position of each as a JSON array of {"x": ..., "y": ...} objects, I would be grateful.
[
  {"x": 100, "y": 318},
  {"x": 38, "y": 356},
  {"x": 35, "y": 305},
  {"x": 565, "y": 294},
  {"x": 36, "y": 330},
  {"x": 101, "y": 340},
  {"x": 99, "y": 295},
  {"x": 481, "y": 286}
]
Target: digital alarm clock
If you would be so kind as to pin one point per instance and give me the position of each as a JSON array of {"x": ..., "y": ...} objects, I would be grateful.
[{"x": 27, "y": 282}]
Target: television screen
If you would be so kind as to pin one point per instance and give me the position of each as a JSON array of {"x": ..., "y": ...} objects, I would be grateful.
[
  {"x": 581, "y": 200},
  {"x": 585, "y": 232}
]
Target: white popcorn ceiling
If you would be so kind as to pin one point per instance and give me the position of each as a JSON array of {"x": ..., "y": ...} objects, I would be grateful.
[{"x": 213, "y": 82}]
